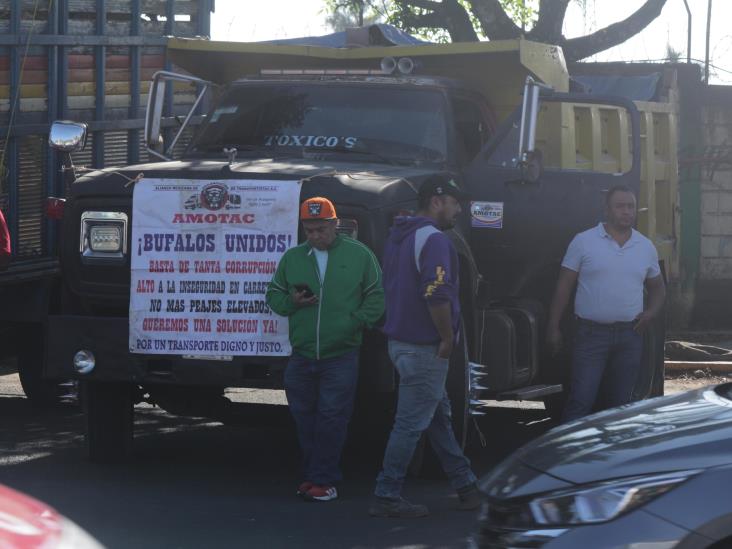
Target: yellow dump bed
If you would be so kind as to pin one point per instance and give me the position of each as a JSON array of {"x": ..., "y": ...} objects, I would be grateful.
[{"x": 497, "y": 69}]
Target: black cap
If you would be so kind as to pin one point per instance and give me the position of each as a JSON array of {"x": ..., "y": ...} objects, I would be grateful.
[{"x": 441, "y": 185}]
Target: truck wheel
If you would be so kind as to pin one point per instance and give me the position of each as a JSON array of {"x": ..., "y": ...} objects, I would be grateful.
[
  {"x": 109, "y": 421},
  {"x": 41, "y": 392},
  {"x": 651, "y": 378}
]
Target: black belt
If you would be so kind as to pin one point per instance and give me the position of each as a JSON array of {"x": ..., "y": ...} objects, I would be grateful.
[{"x": 620, "y": 324}]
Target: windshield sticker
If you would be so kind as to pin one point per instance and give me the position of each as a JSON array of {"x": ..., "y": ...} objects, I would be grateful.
[
  {"x": 486, "y": 215},
  {"x": 223, "y": 110},
  {"x": 330, "y": 142}
]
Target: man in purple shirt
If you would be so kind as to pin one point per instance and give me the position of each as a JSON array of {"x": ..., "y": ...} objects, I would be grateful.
[{"x": 421, "y": 285}]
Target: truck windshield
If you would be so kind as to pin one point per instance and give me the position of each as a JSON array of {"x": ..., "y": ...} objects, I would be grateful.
[{"x": 385, "y": 123}]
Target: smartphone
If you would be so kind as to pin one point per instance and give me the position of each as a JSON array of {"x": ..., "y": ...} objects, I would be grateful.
[{"x": 304, "y": 287}]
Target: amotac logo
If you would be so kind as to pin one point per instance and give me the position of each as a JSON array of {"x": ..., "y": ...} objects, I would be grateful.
[
  {"x": 486, "y": 215},
  {"x": 214, "y": 197}
]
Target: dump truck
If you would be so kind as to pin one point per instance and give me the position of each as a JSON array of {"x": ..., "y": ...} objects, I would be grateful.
[{"x": 165, "y": 264}]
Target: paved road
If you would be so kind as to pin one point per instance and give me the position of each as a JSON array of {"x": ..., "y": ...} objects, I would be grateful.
[{"x": 193, "y": 483}]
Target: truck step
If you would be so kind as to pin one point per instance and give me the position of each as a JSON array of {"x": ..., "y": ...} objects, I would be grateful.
[{"x": 532, "y": 392}]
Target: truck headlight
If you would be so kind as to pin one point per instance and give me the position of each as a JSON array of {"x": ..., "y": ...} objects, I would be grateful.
[
  {"x": 602, "y": 501},
  {"x": 103, "y": 237}
]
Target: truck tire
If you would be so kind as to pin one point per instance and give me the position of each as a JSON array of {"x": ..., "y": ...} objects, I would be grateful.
[
  {"x": 653, "y": 366},
  {"x": 109, "y": 421},
  {"x": 42, "y": 393}
]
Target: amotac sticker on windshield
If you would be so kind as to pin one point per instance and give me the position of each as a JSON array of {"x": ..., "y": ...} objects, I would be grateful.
[{"x": 486, "y": 215}]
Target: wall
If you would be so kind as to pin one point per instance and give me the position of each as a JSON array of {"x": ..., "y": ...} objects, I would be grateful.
[
  {"x": 713, "y": 159},
  {"x": 716, "y": 186}
]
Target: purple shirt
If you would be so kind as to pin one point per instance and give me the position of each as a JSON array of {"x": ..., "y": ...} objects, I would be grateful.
[{"x": 420, "y": 269}]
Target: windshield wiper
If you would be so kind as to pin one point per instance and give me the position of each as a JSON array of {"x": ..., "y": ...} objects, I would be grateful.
[{"x": 342, "y": 149}]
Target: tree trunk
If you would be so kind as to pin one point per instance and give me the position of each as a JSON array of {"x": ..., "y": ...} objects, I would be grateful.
[
  {"x": 494, "y": 21},
  {"x": 548, "y": 28}
]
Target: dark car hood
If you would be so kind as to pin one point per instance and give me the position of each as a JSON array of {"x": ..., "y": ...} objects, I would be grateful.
[
  {"x": 369, "y": 185},
  {"x": 685, "y": 431}
]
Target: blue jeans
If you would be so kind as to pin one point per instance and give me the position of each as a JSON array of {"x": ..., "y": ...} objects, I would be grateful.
[
  {"x": 422, "y": 406},
  {"x": 607, "y": 356},
  {"x": 320, "y": 394}
]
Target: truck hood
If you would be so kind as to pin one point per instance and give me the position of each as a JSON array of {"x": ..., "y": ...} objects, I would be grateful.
[
  {"x": 357, "y": 182},
  {"x": 690, "y": 430}
]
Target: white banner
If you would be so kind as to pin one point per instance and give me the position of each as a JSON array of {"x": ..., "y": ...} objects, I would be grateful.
[{"x": 203, "y": 253}]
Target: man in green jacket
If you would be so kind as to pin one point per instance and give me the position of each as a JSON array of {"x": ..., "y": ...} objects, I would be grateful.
[{"x": 330, "y": 289}]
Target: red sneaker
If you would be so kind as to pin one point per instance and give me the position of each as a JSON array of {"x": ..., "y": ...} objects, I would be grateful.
[
  {"x": 304, "y": 487},
  {"x": 321, "y": 493}
]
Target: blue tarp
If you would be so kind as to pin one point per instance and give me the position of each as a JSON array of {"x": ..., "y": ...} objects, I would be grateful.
[
  {"x": 636, "y": 88},
  {"x": 379, "y": 34}
]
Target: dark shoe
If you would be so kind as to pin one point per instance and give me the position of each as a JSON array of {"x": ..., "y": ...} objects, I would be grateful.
[
  {"x": 470, "y": 498},
  {"x": 304, "y": 487},
  {"x": 396, "y": 508},
  {"x": 321, "y": 493}
]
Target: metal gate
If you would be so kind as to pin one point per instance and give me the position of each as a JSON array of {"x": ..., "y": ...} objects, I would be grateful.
[{"x": 83, "y": 60}]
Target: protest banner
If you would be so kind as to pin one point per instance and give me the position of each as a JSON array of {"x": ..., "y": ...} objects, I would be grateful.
[{"x": 203, "y": 253}]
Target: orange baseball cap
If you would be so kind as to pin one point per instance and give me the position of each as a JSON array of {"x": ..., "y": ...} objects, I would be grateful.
[{"x": 317, "y": 208}]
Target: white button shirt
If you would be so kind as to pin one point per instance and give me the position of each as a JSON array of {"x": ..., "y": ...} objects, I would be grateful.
[{"x": 611, "y": 277}]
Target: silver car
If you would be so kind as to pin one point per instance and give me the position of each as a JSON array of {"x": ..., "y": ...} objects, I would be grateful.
[{"x": 655, "y": 474}]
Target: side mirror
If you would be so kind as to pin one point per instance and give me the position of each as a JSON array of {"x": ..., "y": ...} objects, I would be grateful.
[
  {"x": 154, "y": 115},
  {"x": 529, "y": 159},
  {"x": 155, "y": 105},
  {"x": 67, "y": 136}
]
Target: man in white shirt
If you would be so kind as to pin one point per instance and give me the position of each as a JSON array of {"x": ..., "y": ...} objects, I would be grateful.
[{"x": 610, "y": 264}]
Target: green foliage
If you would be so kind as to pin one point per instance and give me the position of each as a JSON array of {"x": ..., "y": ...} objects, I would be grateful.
[
  {"x": 341, "y": 14},
  {"x": 402, "y": 16},
  {"x": 522, "y": 12}
]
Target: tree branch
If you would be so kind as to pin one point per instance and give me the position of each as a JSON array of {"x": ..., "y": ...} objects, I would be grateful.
[
  {"x": 494, "y": 21},
  {"x": 426, "y": 21},
  {"x": 459, "y": 24},
  {"x": 448, "y": 15},
  {"x": 548, "y": 27},
  {"x": 612, "y": 35}
]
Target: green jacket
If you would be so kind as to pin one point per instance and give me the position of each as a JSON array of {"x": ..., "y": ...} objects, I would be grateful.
[{"x": 350, "y": 299}]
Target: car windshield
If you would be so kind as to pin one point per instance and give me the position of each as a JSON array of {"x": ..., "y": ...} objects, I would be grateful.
[{"x": 384, "y": 123}]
